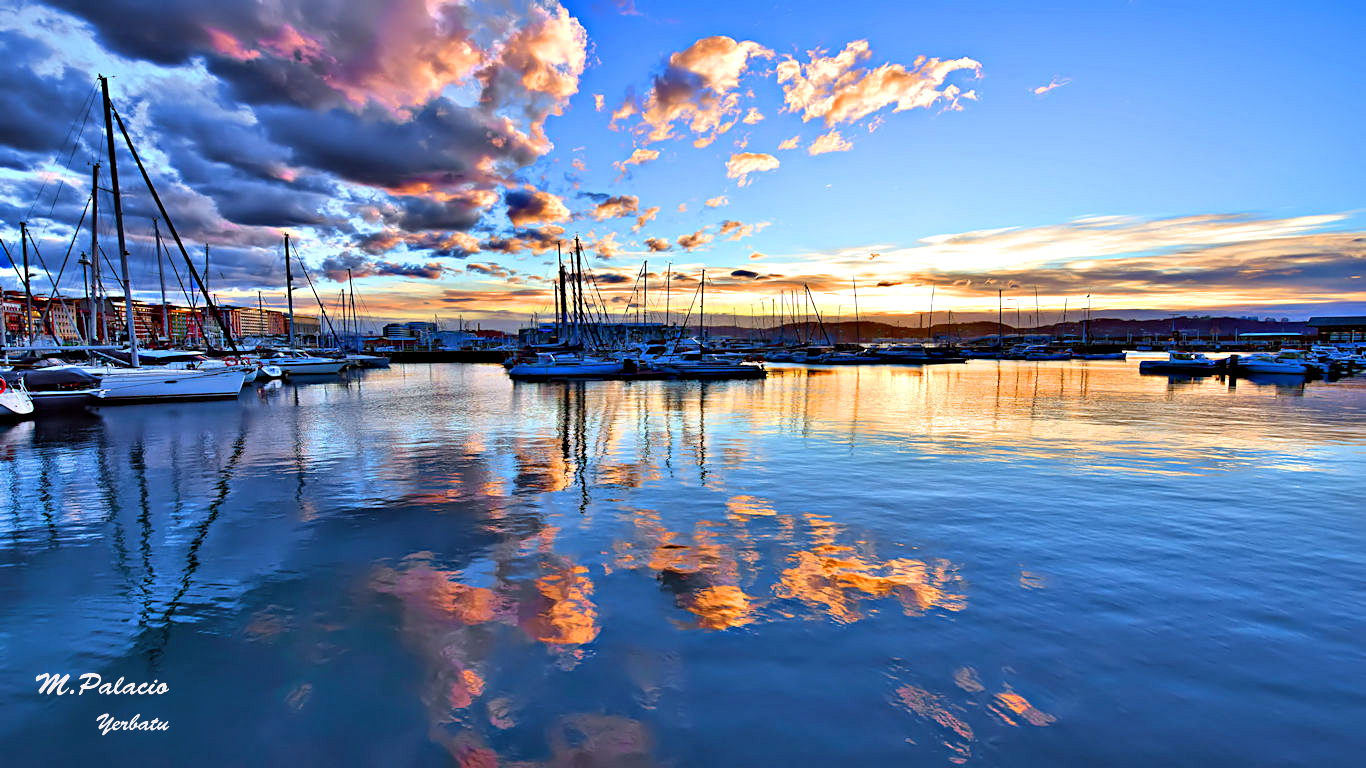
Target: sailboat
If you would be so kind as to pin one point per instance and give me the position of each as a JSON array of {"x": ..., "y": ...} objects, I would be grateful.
[
  {"x": 292, "y": 363},
  {"x": 135, "y": 383}
]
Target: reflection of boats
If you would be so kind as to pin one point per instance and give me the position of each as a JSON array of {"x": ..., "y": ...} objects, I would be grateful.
[
  {"x": 565, "y": 366},
  {"x": 1101, "y": 356},
  {"x": 1181, "y": 362},
  {"x": 918, "y": 354},
  {"x": 56, "y": 388},
  {"x": 14, "y": 401}
]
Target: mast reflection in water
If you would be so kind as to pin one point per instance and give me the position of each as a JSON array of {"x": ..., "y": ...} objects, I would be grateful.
[{"x": 996, "y": 563}]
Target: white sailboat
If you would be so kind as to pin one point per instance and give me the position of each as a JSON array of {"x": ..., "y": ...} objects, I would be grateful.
[
  {"x": 136, "y": 384},
  {"x": 292, "y": 363}
]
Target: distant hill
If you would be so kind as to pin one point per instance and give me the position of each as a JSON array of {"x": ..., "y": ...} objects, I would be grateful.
[{"x": 1100, "y": 328}]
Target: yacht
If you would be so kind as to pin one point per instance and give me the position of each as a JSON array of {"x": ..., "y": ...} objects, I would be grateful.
[
  {"x": 1285, "y": 361},
  {"x": 164, "y": 383},
  {"x": 700, "y": 365},
  {"x": 549, "y": 366},
  {"x": 1182, "y": 362}
]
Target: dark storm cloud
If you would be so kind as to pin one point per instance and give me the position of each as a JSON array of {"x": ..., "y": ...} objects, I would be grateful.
[
  {"x": 38, "y": 110},
  {"x": 744, "y": 273},
  {"x": 335, "y": 267}
]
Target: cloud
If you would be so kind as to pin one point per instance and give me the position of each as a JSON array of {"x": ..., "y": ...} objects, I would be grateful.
[
  {"x": 607, "y": 246},
  {"x": 830, "y": 142},
  {"x": 492, "y": 270},
  {"x": 597, "y": 102},
  {"x": 745, "y": 273},
  {"x": 616, "y": 207},
  {"x": 639, "y": 156},
  {"x": 657, "y": 244},
  {"x": 645, "y": 217},
  {"x": 533, "y": 206},
  {"x": 697, "y": 91},
  {"x": 756, "y": 255},
  {"x": 257, "y": 116},
  {"x": 833, "y": 89},
  {"x": 752, "y": 116},
  {"x": 696, "y": 240},
  {"x": 737, "y": 230},
  {"x": 578, "y": 165},
  {"x": 335, "y": 268},
  {"x": 718, "y": 201},
  {"x": 790, "y": 143},
  {"x": 1057, "y": 82},
  {"x": 740, "y": 165},
  {"x": 682, "y": 207}
]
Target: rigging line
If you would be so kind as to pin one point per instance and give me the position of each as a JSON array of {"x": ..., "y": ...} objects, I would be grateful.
[
  {"x": 43, "y": 187},
  {"x": 303, "y": 268},
  {"x": 17, "y": 271},
  {"x": 56, "y": 295}
]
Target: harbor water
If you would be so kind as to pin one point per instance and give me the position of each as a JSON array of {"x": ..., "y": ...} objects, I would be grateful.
[{"x": 996, "y": 563}]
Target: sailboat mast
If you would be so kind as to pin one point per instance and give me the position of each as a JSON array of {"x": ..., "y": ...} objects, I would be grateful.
[
  {"x": 161, "y": 276},
  {"x": 94, "y": 249},
  {"x": 702, "y": 312},
  {"x": 289, "y": 293},
  {"x": 858, "y": 336},
  {"x": 355, "y": 322},
  {"x": 118, "y": 223},
  {"x": 28, "y": 288},
  {"x": 668, "y": 290}
]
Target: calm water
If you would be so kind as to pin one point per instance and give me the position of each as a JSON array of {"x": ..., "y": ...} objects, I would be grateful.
[{"x": 990, "y": 564}]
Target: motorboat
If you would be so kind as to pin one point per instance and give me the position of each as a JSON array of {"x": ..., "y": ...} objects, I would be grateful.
[
  {"x": 268, "y": 372},
  {"x": 700, "y": 365},
  {"x": 1045, "y": 352},
  {"x": 1285, "y": 361},
  {"x": 917, "y": 354},
  {"x": 1188, "y": 363},
  {"x": 57, "y": 388},
  {"x": 304, "y": 365},
  {"x": 367, "y": 361},
  {"x": 1099, "y": 356},
  {"x": 549, "y": 366},
  {"x": 15, "y": 402}
]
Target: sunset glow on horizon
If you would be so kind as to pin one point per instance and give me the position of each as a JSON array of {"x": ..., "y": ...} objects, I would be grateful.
[{"x": 1142, "y": 157}]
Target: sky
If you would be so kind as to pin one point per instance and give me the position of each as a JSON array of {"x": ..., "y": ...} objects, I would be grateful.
[{"x": 1144, "y": 157}]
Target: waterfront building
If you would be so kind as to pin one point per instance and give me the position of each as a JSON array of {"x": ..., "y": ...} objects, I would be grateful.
[{"x": 1338, "y": 330}]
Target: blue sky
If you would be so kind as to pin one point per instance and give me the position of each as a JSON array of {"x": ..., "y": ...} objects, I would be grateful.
[{"x": 1189, "y": 156}]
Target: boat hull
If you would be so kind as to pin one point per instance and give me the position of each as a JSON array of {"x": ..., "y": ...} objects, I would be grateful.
[
  {"x": 60, "y": 400},
  {"x": 152, "y": 384},
  {"x": 318, "y": 367},
  {"x": 15, "y": 404}
]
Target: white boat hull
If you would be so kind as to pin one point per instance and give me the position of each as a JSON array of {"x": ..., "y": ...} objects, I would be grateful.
[
  {"x": 15, "y": 403},
  {"x": 309, "y": 366},
  {"x": 152, "y": 384}
]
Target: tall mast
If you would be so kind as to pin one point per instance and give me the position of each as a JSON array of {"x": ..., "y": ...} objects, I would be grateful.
[
  {"x": 1000, "y": 320},
  {"x": 94, "y": 291},
  {"x": 645, "y": 294},
  {"x": 668, "y": 286},
  {"x": 118, "y": 223},
  {"x": 355, "y": 322},
  {"x": 161, "y": 275},
  {"x": 931, "y": 331},
  {"x": 28, "y": 288},
  {"x": 858, "y": 336},
  {"x": 702, "y": 310},
  {"x": 289, "y": 292}
]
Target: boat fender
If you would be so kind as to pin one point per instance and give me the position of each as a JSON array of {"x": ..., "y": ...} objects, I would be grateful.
[{"x": 4, "y": 385}]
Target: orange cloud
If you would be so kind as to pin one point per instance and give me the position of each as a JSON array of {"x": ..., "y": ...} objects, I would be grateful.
[
  {"x": 833, "y": 89},
  {"x": 697, "y": 90},
  {"x": 640, "y": 156},
  {"x": 657, "y": 243},
  {"x": 739, "y": 166},
  {"x": 752, "y": 116},
  {"x": 696, "y": 240},
  {"x": 615, "y": 207},
  {"x": 530, "y": 206},
  {"x": 645, "y": 217},
  {"x": 830, "y": 142},
  {"x": 718, "y": 201},
  {"x": 1057, "y": 82},
  {"x": 790, "y": 143}
]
